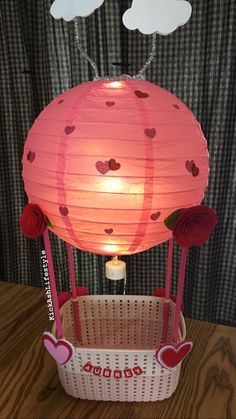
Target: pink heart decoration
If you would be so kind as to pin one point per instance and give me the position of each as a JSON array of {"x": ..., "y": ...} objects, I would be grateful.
[
  {"x": 109, "y": 104},
  {"x": 113, "y": 165},
  {"x": 169, "y": 356},
  {"x": 150, "y": 132},
  {"x": 109, "y": 230},
  {"x": 66, "y": 295},
  {"x": 141, "y": 95},
  {"x": 155, "y": 216},
  {"x": 69, "y": 129},
  {"x": 61, "y": 350},
  {"x": 102, "y": 167},
  {"x": 63, "y": 211},
  {"x": 30, "y": 156}
]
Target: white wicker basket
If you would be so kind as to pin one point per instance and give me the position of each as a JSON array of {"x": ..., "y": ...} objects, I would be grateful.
[{"x": 118, "y": 333}]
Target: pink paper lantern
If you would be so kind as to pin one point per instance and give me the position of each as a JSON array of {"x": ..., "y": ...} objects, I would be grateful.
[{"x": 108, "y": 161}]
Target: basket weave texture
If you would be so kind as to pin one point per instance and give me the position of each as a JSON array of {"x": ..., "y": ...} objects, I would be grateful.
[{"x": 118, "y": 333}]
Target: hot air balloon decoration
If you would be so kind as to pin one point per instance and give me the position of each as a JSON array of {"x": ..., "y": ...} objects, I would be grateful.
[{"x": 115, "y": 167}]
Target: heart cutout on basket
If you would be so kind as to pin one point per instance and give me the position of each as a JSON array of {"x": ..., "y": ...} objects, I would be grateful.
[
  {"x": 61, "y": 350},
  {"x": 169, "y": 355}
]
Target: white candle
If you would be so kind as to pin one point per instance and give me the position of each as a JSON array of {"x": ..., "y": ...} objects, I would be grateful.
[{"x": 115, "y": 269}]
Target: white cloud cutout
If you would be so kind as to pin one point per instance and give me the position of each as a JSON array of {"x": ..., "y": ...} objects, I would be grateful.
[
  {"x": 162, "y": 16},
  {"x": 69, "y": 9}
]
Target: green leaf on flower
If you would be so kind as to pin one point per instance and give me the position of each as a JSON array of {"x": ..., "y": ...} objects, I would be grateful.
[
  {"x": 172, "y": 218},
  {"x": 49, "y": 223}
]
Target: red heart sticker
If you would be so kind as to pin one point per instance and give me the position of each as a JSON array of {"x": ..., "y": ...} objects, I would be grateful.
[
  {"x": 102, "y": 167},
  {"x": 63, "y": 211},
  {"x": 69, "y": 129},
  {"x": 30, "y": 156},
  {"x": 109, "y": 230},
  {"x": 155, "y": 216},
  {"x": 192, "y": 168},
  {"x": 113, "y": 165},
  {"x": 141, "y": 95},
  {"x": 150, "y": 132},
  {"x": 109, "y": 104},
  {"x": 195, "y": 170},
  {"x": 189, "y": 164},
  {"x": 169, "y": 356}
]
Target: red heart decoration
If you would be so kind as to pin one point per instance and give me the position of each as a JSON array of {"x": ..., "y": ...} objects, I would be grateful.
[
  {"x": 102, "y": 167},
  {"x": 150, "y": 132},
  {"x": 63, "y": 211},
  {"x": 155, "y": 216},
  {"x": 169, "y": 356},
  {"x": 30, "y": 156},
  {"x": 113, "y": 165},
  {"x": 189, "y": 164},
  {"x": 60, "y": 101},
  {"x": 141, "y": 95},
  {"x": 61, "y": 350},
  {"x": 66, "y": 295},
  {"x": 109, "y": 230},
  {"x": 109, "y": 104},
  {"x": 176, "y": 106},
  {"x": 69, "y": 129},
  {"x": 195, "y": 170}
]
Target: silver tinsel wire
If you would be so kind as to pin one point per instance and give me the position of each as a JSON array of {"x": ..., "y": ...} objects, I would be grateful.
[
  {"x": 82, "y": 51},
  {"x": 139, "y": 76}
]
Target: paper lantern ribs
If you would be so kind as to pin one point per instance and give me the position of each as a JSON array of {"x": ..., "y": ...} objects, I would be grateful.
[{"x": 108, "y": 161}]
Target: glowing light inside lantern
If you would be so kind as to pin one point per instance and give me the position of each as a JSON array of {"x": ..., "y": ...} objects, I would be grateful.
[
  {"x": 115, "y": 84},
  {"x": 112, "y": 185},
  {"x": 111, "y": 248}
]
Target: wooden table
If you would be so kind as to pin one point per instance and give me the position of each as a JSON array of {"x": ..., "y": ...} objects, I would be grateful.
[{"x": 30, "y": 387}]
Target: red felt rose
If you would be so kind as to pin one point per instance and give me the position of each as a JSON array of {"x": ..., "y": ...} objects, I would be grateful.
[
  {"x": 194, "y": 226},
  {"x": 32, "y": 221}
]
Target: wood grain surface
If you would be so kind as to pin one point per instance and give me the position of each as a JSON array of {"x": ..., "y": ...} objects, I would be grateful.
[{"x": 30, "y": 387}]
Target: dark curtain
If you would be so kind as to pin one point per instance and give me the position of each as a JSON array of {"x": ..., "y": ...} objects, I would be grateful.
[{"x": 197, "y": 63}]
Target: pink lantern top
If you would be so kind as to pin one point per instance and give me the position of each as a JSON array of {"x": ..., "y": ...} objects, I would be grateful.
[{"x": 108, "y": 161}]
